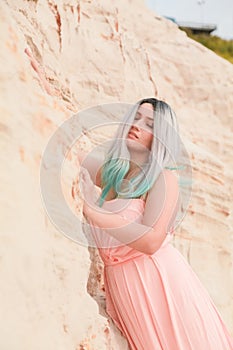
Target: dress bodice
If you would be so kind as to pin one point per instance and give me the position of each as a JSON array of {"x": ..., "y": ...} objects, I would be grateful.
[{"x": 112, "y": 251}]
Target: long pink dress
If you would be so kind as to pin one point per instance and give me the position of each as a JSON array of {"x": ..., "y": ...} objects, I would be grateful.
[{"x": 157, "y": 301}]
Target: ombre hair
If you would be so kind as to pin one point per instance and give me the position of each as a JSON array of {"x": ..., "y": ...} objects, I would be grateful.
[{"x": 165, "y": 149}]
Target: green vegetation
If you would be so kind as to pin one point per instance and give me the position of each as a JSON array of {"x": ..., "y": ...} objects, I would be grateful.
[{"x": 221, "y": 47}]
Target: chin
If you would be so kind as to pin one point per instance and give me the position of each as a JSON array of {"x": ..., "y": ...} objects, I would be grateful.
[{"x": 135, "y": 144}]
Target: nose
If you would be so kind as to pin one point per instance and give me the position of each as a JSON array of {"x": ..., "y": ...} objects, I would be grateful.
[{"x": 138, "y": 125}]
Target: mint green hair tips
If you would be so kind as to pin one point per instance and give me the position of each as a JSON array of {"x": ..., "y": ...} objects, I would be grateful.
[{"x": 113, "y": 174}]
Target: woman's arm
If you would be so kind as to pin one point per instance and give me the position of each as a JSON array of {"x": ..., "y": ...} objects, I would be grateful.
[
  {"x": 92, "y": 164},
  {"x": 159, "y": 214}
]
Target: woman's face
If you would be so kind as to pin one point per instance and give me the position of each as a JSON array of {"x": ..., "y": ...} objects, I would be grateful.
[{"x": 141, "y": 130}]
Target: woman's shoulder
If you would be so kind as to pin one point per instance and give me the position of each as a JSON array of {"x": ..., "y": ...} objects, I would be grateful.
[
  {"x": 165, "y": 187},
  {"x": 167, "y": 178},
  {"x": 169, "y": 173}
]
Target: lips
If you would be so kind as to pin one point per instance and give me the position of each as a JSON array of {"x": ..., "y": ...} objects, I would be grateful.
[{"x": 133, "y": 134}]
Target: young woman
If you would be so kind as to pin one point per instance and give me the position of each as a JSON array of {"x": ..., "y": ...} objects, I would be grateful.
[{"x": 152, "y": 294}]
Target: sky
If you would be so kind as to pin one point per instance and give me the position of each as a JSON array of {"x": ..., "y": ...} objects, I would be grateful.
[{"x": 219, "y": 12}]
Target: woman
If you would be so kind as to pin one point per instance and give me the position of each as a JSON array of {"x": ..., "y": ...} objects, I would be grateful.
[{"x": 152, "y": 294}]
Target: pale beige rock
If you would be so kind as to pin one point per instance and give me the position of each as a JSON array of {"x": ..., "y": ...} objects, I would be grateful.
[{"x": 51, "y": 291}]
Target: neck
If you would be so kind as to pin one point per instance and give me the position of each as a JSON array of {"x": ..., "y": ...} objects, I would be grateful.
[{"x": 137, "y": 160}]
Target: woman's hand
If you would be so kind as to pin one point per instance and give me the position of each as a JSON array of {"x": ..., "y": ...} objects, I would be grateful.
[{"x": 89, "y": 193}]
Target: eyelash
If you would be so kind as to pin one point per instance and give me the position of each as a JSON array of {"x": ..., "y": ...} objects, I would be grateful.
[{"x": 150, "y": 125}]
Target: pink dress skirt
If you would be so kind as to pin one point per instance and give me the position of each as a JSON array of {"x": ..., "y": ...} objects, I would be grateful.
[{"x": 157, "y": 301}]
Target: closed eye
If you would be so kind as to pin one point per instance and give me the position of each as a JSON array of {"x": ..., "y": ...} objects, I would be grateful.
[{"x": 150, "y": 125}]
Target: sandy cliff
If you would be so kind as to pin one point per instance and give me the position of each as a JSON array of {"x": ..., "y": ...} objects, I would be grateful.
[{"x": 89, "y": 53}]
